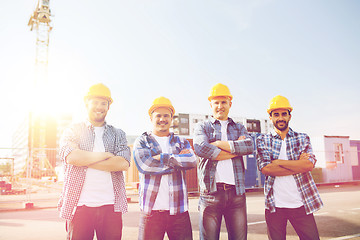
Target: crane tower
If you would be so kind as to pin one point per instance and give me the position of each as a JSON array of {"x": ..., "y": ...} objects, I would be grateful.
[{"x": 40, "y": 21}]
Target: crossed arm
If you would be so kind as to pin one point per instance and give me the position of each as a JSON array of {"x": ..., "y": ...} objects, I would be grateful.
[
  {"x": 162, "y": 163},
  {"x": 280, "y": 167},
  {"x": 221, "y": 150},
  {"x": 225, "y": 149},
  {"x": 71, "y": 153},
  {"x": 104, "y": 161}
]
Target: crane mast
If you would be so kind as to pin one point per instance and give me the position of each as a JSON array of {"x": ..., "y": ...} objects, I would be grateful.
[{"x": 40, "y": 21}]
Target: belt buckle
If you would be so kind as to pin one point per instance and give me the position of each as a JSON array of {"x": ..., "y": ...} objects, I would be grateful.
[
  {"x": 224, "y": 186},
  {"x": 227, "y": 187}
]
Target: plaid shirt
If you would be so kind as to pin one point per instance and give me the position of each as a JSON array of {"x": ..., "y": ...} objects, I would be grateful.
[
  {"x": 268, "y": 149},
  {"x": 151, "y": 170},
  {"x": 210, "y": 131},
  {"x": 82, "y": 135}
]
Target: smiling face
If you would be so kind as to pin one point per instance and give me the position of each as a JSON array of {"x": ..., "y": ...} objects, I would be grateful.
[
  {"x": 161, "y": 119},
  {"x": 97, "y": 109},
  {"x": 220, "y": 107},
  {"x": 280, "y": 118}
]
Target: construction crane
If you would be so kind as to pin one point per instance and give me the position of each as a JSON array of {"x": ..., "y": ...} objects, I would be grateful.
[{"x": 40, "y": 21}]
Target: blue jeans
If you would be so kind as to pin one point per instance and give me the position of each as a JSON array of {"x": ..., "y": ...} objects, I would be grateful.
[
  {"x": 223, "y": 203},
  {"x": 103, "y": 220},
  {"x": 304, "y": 225},
  {"x": 153, "y": 226}
]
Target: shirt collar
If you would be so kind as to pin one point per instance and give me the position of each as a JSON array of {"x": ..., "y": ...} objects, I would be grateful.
[
  {"x": 289, "y": 134},
  {"x": 91, "y": 127},
  {"x": 214, "y": 120},
  {"x": 149, "y": 133}
]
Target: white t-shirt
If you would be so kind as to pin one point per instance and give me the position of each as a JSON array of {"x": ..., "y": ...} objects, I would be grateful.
[
  {"x": 224, "y": 169},
  {"x": 286, "y": 193},
  {"x": 162, "y": 198},
  {"x": 98, "y": 187}
]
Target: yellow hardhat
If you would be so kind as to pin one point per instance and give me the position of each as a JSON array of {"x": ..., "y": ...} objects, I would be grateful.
[
  {"x": 279, "y": 102},
  {"x": 161, "y": 102},
  {"x": 220, "y": 90},
  {"x": 99, "y": 90}
]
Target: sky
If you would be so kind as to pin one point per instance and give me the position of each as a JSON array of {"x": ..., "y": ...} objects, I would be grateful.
[{"x": 306, "y": 50}]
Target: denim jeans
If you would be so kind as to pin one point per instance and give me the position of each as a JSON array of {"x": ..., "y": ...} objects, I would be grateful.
[
  {"x": 103, "y": 220},
  {"x": 153, "y": 226},
  {"x": 223, "y": 203},
  {"x": 304, "y": 225}
]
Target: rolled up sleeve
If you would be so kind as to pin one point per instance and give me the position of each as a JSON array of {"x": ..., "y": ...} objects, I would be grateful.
[
  {"x": 201, "y": 144},
  {"x": 262, "y": 153},
  {"x": 68, "y": 143},
  {"x": 122, "y": 149}
]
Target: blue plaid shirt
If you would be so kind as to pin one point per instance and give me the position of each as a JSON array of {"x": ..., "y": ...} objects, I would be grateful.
[
  {"x": 151, "y": 170},
  {"x": 268, "y": 149},
  {"x": 210, "y": 131}
]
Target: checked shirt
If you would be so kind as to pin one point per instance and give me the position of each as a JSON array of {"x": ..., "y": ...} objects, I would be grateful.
[
  {"x": 268, "y": 149},
  {"x": 210, "y": 131},
  {"x": 151, "y": 170},
  {"x": 82, "y": 136}
]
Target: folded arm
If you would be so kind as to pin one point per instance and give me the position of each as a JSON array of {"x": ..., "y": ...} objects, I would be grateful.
[
  {"x": 231, "y": 149},
  {"x": 105, "y": 161},
  {"x": 279, "y": 167},
  {"x": 163, "y": 163},
  {"x": 202, "y": 146}
]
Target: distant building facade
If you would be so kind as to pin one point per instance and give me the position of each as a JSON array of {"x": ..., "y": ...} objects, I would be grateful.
[
  {"x": 38, "y": 137},
  {"x": 184, "y": 123}
]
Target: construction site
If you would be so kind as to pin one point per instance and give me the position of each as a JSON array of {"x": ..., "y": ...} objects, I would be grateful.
[{"x": 52, "y": 50}]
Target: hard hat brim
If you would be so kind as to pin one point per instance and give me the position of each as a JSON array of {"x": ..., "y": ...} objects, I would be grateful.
[{"x": 154, "y": 107}]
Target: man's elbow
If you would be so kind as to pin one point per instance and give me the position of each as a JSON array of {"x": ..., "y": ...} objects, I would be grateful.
[
  {"x": 126, "y": 167},
  {"x": 70, "y": 159},
  {"x": 265, "y": 171},
  {"x": 199, "y": 151}
]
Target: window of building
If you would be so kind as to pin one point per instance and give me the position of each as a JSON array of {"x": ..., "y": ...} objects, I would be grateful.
[
  {"x": 184, "y": 120},
  {"x": 339, "y": 153},
  {"x": 184, "y": 131}
]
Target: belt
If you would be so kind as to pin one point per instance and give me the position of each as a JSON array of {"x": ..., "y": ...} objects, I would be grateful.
[
  {"x": 224, "y": 186},
  {"x": 160, "y": 211}
]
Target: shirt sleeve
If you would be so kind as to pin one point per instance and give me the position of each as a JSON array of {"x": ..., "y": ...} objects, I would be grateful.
[
  {"x": 201, "y": 143},
  {"x": 263, "y": 153},
  {"x": 144, "y": 161},
  {"x": 242, "y": 147},
  {"x": 308, "y": 149},
  {"x": 122, "y": 149},
  {"x": 68, "y": 142},
  {"x": 180, "y": 161}
]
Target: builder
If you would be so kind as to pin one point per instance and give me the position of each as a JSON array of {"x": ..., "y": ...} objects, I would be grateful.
[
  {"x": 162, "y": 158},
  {"x": 220, "y": 143},
  {"x": 94, "y": 155},
  {"x": 286, "y": 158}
]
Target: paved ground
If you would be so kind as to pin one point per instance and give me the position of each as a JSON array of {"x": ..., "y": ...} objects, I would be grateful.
[{"x": 339, "y": 219}]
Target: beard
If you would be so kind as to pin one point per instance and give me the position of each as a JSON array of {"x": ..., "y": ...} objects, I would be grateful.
[
  {"x": 95, "y": 118},
  {"x": 281, "y": 128}
]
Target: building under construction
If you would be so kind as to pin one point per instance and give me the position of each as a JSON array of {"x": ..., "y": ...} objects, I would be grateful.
[{"x": 35, "y": 157}]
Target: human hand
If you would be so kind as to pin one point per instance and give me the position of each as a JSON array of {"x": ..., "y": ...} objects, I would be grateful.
[
  {"x": 184, "y": 151},
  {"x": 304, "y": 156},
  {"x": 157, "y": 157},
  {"x": 242, "y": 138}
]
